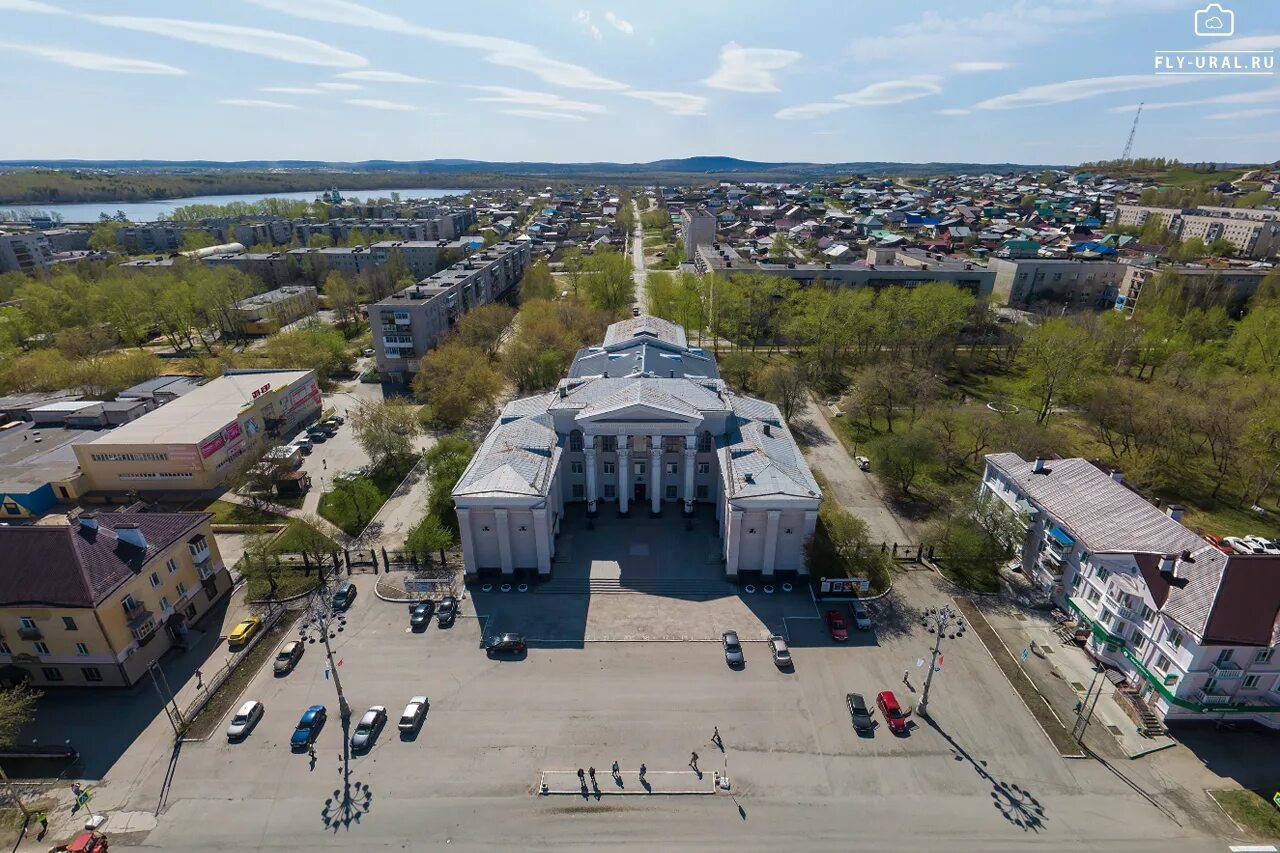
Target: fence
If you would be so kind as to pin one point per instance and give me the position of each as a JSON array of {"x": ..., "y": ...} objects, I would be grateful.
[{"x": 187, "y": 715}]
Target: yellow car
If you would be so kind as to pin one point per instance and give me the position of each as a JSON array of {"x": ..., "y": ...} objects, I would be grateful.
[{"x": 242, "y": 632}]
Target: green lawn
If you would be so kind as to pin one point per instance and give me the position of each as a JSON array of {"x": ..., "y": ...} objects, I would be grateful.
[
  {"x": 1251, "y": 809},
  {"x": 225, "y": 512},
  {"x": 285, "y": 542},
  {"x": 289, "y": 582},
  {"x": 338, "y": 511}
]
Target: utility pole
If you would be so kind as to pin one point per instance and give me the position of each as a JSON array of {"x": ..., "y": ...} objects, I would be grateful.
[
  {"x": 1084, "y": 711},
  {"x": 13, "y": 792},
  {"x": 938, "y": 621}
]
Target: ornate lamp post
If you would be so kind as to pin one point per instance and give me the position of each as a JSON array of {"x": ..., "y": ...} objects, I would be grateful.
[{"x": 944, "y": 621}]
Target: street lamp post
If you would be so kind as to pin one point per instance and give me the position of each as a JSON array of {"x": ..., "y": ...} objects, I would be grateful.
[
  {"x": 938, "y": 621},
  {"x": 320, "y": 611}
]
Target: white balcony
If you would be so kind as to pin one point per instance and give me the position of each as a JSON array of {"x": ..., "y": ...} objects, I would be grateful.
[
  {"x": 1212, "y": 698},
  {"x": 199, "y": 549},
  {"x": 1226, "y": 671}
]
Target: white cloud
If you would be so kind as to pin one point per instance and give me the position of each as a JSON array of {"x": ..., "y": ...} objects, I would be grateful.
[
  {"x": 545, "y": 114},
  {"x": 807, "y": 111},
  {"x": 677, "y": 103},
  {"x": 293, "y": 90},
  {"x": 541, "y": 100},
  {"x": 381, "y": 77},
  {"x": 583, "y": 20},
  {"x": 93, "y": 61},
  {"x": 979, "y": 65},
  {"x": 749, "y": 69},
  {"x": 339, "y": 87},
  {"x": 952, "y": 112},
  {"x": 379, "y": 104},
  {"x": 253, "y": 102},
  {"x": 1256, "y": 96},
  {"x": 619, "y": 24},
  {"x": 893, "y": 91},
  {"x": 1249, "y": 43},
  {"x": 1025, "y": 23},
  {"x": 1076, "y": 90},
  {"x": 30, "y": 6},
  {"x": 497, "y": 51},
  {"x": 282, "y": 46},
  {"x": 1244, "y": 114}
]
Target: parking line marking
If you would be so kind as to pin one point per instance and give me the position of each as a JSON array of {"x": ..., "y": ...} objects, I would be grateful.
[{"x": 1252, "y": 848}]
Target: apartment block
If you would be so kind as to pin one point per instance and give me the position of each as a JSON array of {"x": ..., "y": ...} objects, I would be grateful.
[
  {"x": 1255, "y": 232},
  {"x": 25, "y": 251},
  {"x": 699, "y": 227},
  {"x": 111, "y": 594},
  {"x": 1192, "y": 629},
  {"x": 424, "y": 257},
  {"x": 409, "y": 323},
  {"x": 1084, "y": 283},
  {"x": 267, "y": 313},
  {"x": 1232, "y": 286},
  {"x": 155, "y": 237}
]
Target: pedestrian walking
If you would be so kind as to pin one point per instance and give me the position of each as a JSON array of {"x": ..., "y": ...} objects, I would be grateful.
[
  {"x": 592, "y": 773},
  {"x": 693, "y": 760},
  {"x": 581, "y": 776},
  {"x": 642, "y": 769},
  {"x": 906, "y": 673},
  {"x": 311, "y": 753},
  {"x": 715, "y": 737},
  {"x": 615, "y": 769},
  {"x": 43, "y": 820},
  {"x": 199, "y": 679}
]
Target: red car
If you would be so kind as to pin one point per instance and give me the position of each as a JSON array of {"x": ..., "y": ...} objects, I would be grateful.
[
  {"x": 892, "y": 712},
  {"x": 1216, "y": 541},
  {"x": 835, "y": 623}
]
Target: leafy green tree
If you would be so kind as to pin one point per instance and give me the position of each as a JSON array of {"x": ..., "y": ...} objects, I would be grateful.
[
  {"x": 429, "y": 536},
  {"x": 976, "y": 535},
  {"x": 785, "y": 385},
  {"x": 457, "y": 381},
  {"x": 103, "y": 238},
  {"x": 1057, "y": 357},
  {"x": 354, "y": 501},
  {"x": 851, "y": 546},
  {"x": 315, "y": 347},
  {"x": 903, "y": 457},
  {"x": 17, "y": 709},
  {"x": 194, "y": 238},
  {"x": 385, "y": 429},
  {"x": 484, "y": 326},
  {"x": 538, "y": 283},
  {"x": 740, "y": 369},
  {"x": 343, "y": 297},
  {"x": 606, "y": 281},
  {"x": 1222, "y": 248}
]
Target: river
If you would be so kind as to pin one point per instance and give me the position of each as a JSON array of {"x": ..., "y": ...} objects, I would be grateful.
[{"x": 150, "y": 211}]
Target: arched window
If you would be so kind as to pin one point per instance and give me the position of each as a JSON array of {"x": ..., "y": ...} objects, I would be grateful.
[
  {"x": 575, "y": 441},
  {"x": 704, "y": 442}
]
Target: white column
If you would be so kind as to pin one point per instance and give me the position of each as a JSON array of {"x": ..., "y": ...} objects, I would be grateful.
[
  {"x": 468, "y": 546},
  {"x": 503, "y": 523},
  {"x": 733, "y": 541},
  {"x": 624, "y": 474},
  {"x": 655, "y": 481},
  {"x": 542, "y": 537},
  {"x": 771, "y": 541},
  {"x": 810, "y": 525},
  {"x": 690, "y": 449},
  {"x": 589, "y": 445}
]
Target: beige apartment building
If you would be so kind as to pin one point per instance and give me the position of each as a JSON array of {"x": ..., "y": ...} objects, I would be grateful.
[
  {"x": 1231, "y": 286},
  {"x": 190, "y": 444},
  {"x": 93, "y": 600},
  {"x": 1254, "y": 232}
]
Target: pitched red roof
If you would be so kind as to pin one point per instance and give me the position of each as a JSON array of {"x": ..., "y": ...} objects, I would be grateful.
[
  {"x": 74, "y": 566},
  {"x": 1248, "y": 602}
]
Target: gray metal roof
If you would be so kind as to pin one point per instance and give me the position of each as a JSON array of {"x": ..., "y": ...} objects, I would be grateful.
[
  {"x": 645, "y": 325},
  {"x": 517, "y": 458},
  {"x": 760, "y": 457}
]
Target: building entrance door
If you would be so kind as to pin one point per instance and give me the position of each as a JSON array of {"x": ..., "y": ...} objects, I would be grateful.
[{"x": 640, "y": 493}]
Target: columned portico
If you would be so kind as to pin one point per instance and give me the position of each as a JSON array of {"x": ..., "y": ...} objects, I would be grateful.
[
  {"x": 589, "y": 445},
  {"x": 690, "y": 452},
  {"x": 771, "y": 541},
  {"x": 655, "y": 478},
  {"x": 624, "y": 474},
  {"x": 468, "y": 545},
  {"x": 504, "y": 541}
]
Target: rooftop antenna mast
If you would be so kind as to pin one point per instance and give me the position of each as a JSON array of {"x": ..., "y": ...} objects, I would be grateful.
[{"x": 1128, "y": 146}]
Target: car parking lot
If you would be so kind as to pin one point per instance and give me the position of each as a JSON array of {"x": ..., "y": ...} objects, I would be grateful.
[{"x": 495, "y": 724}]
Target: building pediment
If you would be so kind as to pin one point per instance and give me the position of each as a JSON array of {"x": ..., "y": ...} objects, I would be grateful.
[{"x": 631, "y": 412}]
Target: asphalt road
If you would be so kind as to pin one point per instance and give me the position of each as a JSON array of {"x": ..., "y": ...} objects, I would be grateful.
[
  {"x": 985, "y": 778},
  {"x": 639, "y": 273}
]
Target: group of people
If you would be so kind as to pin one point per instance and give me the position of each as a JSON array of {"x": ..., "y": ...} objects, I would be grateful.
[{"x": 590, "y": 773}]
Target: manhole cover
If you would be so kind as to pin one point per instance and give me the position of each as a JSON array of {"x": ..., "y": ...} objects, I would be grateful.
[
  {"x": 1077, "y": 687},
  {"x": 1114, "y": 730}
]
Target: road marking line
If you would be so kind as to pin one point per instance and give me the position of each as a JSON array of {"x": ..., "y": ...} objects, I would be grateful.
[{"x": 1252, "y": 848}]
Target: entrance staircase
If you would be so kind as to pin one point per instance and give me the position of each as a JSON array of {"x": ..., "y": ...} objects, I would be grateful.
[{"x": 674, "y": 587}]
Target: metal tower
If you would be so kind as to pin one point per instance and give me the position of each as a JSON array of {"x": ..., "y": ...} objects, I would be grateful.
[{"x": 1128, "y": 146}]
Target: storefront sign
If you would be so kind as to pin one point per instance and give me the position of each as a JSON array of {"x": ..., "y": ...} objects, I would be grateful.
[
  {"x": 212, "y": 446},
  {"x": 843, "y": 586}
]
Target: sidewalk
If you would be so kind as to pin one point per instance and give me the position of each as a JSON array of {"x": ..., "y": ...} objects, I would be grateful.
[{"x": 627, "y": 783}]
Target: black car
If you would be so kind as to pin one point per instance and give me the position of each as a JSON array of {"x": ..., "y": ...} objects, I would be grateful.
[
  {"x": 346, "y": 594},
  {"x": 510, "y": 643},
  {"x": 420, "y": 615},
  {"x": 447, "y": 611},
  {"x": 859, "y": 713}
]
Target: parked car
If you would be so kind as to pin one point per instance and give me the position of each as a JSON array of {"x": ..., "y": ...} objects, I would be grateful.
[
  {"x": 732, "y": 649},
  {"x": 242, "y": 633},
  {"x": 1266, "y": 545},
  {"x": 861, "y": 716},
  {"x": 308, "y": 728},
  {"x": 1242, "y": 546},
  {"x": 368, "y": 351},
  {"x": 244, "y": 720},
  {"x": 288, "y": 656},
  {"x": 337, "y": 419},
  {"x": 781, "y": 654},
  {"x": 861, "y": 616},
  {"x": 344, "y": 596},
  {"x": 835, "y": 624},
  {"x": 509, "y": 643},
  {"x": 367, "y": 729},
  {"x": 447, "y": 611},
  {"x": 317, "y": 436},
  {"x": 303, "y": 443},
  {"x": 892, "y": 712},
  {"x": 1217, "y": 542},
  {"x": 863, "y": 462},
  {"x": 414, "y": 712},
  {"x": 420, "y": 615}
]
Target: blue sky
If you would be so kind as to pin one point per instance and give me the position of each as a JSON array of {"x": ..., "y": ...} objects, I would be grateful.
[{"x": 1032, "y": 81}]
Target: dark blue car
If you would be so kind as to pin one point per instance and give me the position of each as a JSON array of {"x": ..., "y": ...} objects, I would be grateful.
[{"x": 308, "y": 727}]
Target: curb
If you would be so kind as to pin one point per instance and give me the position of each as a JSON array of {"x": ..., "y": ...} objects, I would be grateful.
[
  {"x": 608, "y": 793},
  {"x": 297, "y": 597}
]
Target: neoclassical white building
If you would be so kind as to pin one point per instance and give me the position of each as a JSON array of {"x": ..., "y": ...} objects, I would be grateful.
[{"x": 642, "y": 423}]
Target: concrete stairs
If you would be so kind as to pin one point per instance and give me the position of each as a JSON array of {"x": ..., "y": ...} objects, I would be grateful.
[{"x": 676, "y": 587}]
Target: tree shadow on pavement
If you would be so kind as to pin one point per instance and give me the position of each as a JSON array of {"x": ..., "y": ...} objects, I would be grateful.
[
  {"x": 807, "y": 433},
  {"x": 353, "y": 800},
  {"x": 1016, "y": 804},
  {"x": 893, "y": 617}
]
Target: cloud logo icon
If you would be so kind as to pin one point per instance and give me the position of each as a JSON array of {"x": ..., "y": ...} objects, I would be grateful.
[{"x": 1214, "y": 20}]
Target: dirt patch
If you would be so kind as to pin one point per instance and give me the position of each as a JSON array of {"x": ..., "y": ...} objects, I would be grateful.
[
  {"x": 1036, "y": 704},
  {"x": 207, "y": 721}
]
